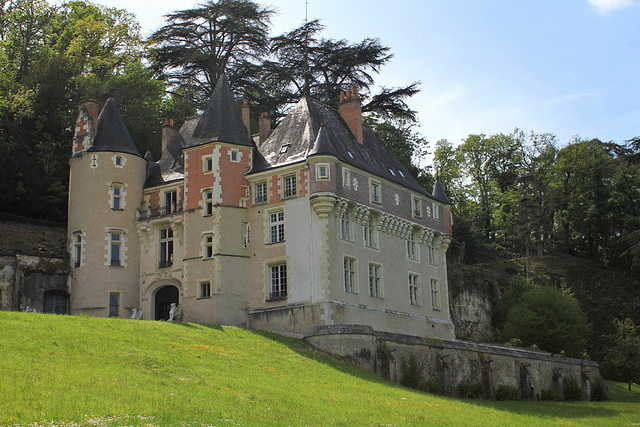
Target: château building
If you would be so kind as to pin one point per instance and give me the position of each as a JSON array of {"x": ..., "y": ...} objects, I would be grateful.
[{"x": 313, "y": 223}]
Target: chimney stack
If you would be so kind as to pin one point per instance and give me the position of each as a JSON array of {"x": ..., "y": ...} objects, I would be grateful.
[
  {"x": 246, "y": 117},
  {"x": 168, "y": 134},
  {"x": 264, "y": 124},
  {"x": 350, "y": 108},
  {"x": 86, "y": 124}
]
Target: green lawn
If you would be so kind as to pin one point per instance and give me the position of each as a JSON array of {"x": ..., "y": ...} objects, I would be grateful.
[{"x": 77, "y": 370}]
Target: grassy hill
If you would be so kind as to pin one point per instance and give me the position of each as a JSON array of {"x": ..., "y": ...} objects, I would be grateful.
[{"x": 77, "y": 370}]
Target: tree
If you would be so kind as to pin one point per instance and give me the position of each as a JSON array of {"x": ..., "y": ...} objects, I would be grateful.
[
  {"x": 549, "y": 318},
  {"x": 625, "y": 353},
  {"x": 197, "y": 45},
  {"x": 303, "y": 63}
]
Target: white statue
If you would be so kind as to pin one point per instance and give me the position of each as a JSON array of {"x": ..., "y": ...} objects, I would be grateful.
[
  {"x": 172, "y": 312},
  {"x": 175, "y": 313},
  {"x": 136, "y": 314}
]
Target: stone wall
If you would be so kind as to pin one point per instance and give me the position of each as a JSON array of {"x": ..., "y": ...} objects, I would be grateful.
[
  {"x": 446, "y": 364},
  {"x": 25, "y": 280},
  {"x": 471, "y": 313}
]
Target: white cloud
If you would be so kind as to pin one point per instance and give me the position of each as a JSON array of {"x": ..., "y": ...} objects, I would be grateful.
[{"x": 606, "y": 6}]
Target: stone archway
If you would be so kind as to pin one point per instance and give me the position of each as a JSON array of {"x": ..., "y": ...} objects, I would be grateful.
[{"x": 162, "y": 300}]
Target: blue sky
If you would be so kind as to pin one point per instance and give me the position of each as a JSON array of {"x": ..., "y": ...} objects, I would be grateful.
[{"x": 566, "y": 67}]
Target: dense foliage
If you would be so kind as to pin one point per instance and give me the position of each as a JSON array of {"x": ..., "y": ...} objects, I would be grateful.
[
  {"x": 522, "y": 194},
  {"x": 624, "y": 355}
]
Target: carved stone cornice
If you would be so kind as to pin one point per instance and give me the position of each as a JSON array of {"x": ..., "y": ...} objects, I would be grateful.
[{"x": 323, "y": 204}]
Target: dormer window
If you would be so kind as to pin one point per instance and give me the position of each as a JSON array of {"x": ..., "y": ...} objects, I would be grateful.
[
  {"x": 392, "y": 172},
  {"x": 350, "y": 154},
  {"x": 284, "y": 148},
  {"x": 401, "y": 174}
]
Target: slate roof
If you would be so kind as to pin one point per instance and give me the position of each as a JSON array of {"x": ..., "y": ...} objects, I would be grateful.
[
  {"x": 313, "y": 128},
  {"x": 170, "y": 167},
  {"x": 111, "y": 132},
  {"x": 439, "y": 193},
  {"x": 221, "y": 121}
]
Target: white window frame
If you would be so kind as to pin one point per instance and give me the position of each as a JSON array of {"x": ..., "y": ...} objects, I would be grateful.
[
  {"x": 289, "y": 186},
  {"x": 375, "y": 192},
  {"x": 415, "y": 295},
  {"x": 370, "y": 233},
  {"x": 433, "y": 255},
  {"x": 116, "y": 248},
  {"x": 350, "y": 268},
  {"x": 165, "y": 247},
  {"x": 117, "y": 196},
  {"x": 435, "y": 294},
  {"x": 345, "y": 226},
  {"x": 261, "y": 193},
  {"x": 375, "y": 280},
  {"x": 323, "y": 172},
  {"x": 416, "y": 207},
  {"x": 346, "y": 177},
  {"x": 276, "y": 227},
  {"x": 207, "y": 163},
  {"x": 234, "y": 155},
  {"x": 204, "y": 289},
  {"x": 78, "y": 243},
  {"x": 413, "y": 249},
  {"x": 207, "y": 202},
  {"x": 278, "y": 281},
  {"x": 436, "y": 211},
  {"x": 207, "y": 246}
]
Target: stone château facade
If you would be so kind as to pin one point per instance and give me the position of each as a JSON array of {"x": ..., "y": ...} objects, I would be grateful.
[{"x": 314, "y": 223}]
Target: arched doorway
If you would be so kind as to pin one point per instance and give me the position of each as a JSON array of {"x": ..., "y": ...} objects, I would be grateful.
[{"x": 163, "y": 299}]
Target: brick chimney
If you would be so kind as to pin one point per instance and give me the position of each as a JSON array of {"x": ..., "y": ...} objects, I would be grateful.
[
  {"x": 264, "y": 123},
  {"x": 246, "y": 117},
  {"x": 350, "y": 108},
  {"x": 168, "y": 134},
  {"x": 86, "y": 124}
]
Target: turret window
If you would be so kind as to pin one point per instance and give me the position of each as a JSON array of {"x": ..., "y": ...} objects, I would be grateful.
[
  {"x": 117, "y": 196},
  {"x": 116, "y": 249},
  {"x": 208, "y": 245},
  {"x": 207, "y": 202},
  {"x": 77, "y": 249}
]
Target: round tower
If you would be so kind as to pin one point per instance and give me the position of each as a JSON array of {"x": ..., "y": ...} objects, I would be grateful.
[{"x": 105, "y": 189}]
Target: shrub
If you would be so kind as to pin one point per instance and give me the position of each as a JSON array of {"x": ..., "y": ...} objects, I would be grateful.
[
  {"x": 411, "y": 376},
  {"x": 598, "y": 390},
  {"x": 467, "y": 389},
  {"x": 550, "y": 394},
  {"x": 433, "y": 386},
  {"x": 571, "y": 387},
  {"x": 507, "y": 392}
]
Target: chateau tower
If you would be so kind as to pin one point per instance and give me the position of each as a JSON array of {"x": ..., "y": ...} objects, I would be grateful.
[{"x": 105, "y": 188}]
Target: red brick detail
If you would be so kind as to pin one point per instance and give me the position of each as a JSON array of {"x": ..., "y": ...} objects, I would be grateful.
[
  {"x": 196, "y": 178},
  {"x": 154, "y": 199},
  {"x": 275, "y": 189},
  {"x": 232, "y": 175},
  {"x": 302, "y": 182}
]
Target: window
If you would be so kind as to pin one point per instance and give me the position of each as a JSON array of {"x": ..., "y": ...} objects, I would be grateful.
[
  {"x": 401, "y": 174},
  {"x": 116, "y": 197},
  {"x": 375, "y": 277},
  {"x": 77, "y": 250},
  {"x": 345, "y": 225},
  {"x": 208, "y": 245},
  {"x": 114, "y": 304},
  {"x": 392, "y": 172},
  {"x": 350, "y": 154},
  {"x": 350, "y": 275},
  {"x": 170, "y": 201},
  {"x": 417, "y": 207},
  {"x": 278, "y": 281},
  {"x": 346, "y": 178},
  {"x": 436, "y": 211},
  {"x": 284, "y": 148},
  {"x": 207, "y": 164},
  {"x": 414, "y": 289},
  {"x": 204, "y": 289},
  {"x": 118, "y": 161},
  {"x": 246, "y": 234},
  {"x": 165, "y": 259},
  {"x": 289, "y": 186},
  {"x": 433, "y": 256},
  {"x": 261, "y": 193},
  {"x": 115, "y": 246},
  {"x": 322, "y": 172},
  {"x": 375, "y": 192},
  {"x": 234, "y": 156},
  {"x": 413, "y": 251},
  {"x": 207, "y": 202},
  {"x": 276, "y": 227},
  {"x": 435, "y": 294},
  {"x": 370, "y": 233}
]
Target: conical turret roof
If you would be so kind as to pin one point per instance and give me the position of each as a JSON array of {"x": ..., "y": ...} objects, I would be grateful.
[
  {"x": 111, "y": 132},
  {"x": 221, "y": 121},
  {"x": 439, "y": 193}
]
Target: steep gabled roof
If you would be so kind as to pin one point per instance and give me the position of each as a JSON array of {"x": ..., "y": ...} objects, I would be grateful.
[
  {"x": 170, "y": 167},
  {"x": 313, "y": 128},
  {"x": 111, "y": 132},
  {"x": 221, "y": 121},
  {"x": 439, "y": 193}
]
